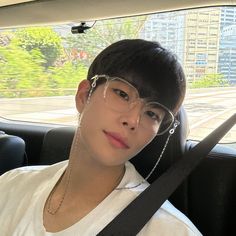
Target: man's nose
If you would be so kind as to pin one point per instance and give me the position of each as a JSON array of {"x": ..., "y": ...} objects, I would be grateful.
[{"x": 131, "y": 118}]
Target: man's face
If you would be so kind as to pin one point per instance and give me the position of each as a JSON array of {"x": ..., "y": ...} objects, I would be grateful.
[{"x": 111, "y": 137}]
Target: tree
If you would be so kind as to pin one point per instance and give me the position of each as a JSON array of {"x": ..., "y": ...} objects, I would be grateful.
[
  {"x": 21, "y": 73},
  {"x": 66, "y": 78},
  {"x": 32, "y": 62},
  {"x": 103, "y": 33},
  {"x": 5, "y": 39},
  {"x": 44, "y": 39},
  {"x": 21, "y": 67},
  {"x": 210, "y": 80}
]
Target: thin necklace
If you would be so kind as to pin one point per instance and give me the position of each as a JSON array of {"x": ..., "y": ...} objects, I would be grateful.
[
  {"x": 53, "y": 211},
  {"x": 49, "y": 207}
]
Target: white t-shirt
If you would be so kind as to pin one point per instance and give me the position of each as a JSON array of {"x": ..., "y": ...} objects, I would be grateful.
[{"x": 24, "y": 191}]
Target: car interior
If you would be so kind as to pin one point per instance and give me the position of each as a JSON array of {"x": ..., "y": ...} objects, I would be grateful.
[{"x": 208, "y": 194}]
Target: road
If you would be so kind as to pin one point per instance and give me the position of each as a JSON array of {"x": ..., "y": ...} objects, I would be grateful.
[{"x": 206, "y": 109}]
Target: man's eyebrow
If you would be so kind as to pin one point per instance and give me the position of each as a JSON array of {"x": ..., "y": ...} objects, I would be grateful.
[{"x": 150, "y": 99}]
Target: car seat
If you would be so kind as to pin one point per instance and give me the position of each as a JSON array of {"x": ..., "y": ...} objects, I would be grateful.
[{"x": 12, "y": 152}]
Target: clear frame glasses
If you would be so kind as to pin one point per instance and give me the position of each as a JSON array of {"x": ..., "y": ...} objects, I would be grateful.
[{"x": 121, "y": 96}]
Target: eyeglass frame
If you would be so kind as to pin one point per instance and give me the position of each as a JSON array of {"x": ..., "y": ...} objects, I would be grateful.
[{"x": 109, "y": 78}]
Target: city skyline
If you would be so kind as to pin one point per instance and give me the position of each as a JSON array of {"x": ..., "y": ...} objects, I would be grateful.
[{"x": 199, "y": 38}]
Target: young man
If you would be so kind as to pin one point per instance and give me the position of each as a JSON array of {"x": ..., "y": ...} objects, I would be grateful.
[{"x": 133, "y": 90}]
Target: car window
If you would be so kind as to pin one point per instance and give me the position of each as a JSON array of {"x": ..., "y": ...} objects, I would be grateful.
[{"x": 40, "y": 67}]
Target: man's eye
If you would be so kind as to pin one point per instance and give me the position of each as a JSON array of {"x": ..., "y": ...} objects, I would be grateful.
[
  {"x": 121, "y": 94},
  {"x": 153, "y": 116}
]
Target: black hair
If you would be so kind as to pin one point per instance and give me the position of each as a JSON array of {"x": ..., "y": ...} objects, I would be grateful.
[{"x": 153, "y": 70}]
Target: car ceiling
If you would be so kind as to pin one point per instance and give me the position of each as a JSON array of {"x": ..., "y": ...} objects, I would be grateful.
[{"x": 15, "y": 13}]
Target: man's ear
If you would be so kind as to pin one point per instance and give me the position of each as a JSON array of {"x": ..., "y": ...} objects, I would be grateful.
[{"x": 82, "y": 95}]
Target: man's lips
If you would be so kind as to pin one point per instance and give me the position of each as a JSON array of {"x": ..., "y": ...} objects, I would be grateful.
[{"x": 116, "y": 140}]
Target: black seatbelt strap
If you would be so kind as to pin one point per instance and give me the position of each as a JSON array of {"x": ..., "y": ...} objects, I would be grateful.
[{"x": 133, "y": 218}]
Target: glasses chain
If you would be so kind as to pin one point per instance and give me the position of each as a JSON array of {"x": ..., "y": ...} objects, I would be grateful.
[
  {"x": 93, "y": 85},
  {"x": 171, "y": 132}
]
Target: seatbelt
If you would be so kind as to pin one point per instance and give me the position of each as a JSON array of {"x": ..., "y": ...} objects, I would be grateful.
[{"x": 133, "y": 218}]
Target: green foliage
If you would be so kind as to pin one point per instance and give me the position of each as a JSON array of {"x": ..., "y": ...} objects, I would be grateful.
[
  {"x": 44, "y": 39},
  {"x": 22, "y": 65},
  {"x": 66, "y": 78},
  {"x": 20, "y": 71},
  {"x": 33, "y": 63},
  {"x": 103, "y": 33},
  {"x": 210, "y": 80}
]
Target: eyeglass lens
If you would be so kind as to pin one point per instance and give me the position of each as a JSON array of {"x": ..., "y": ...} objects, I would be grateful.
[{"x": 121, "y": 96}]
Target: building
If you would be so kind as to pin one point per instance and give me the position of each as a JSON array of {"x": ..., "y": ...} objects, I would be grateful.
[
  {"x": 193, "y": 35},
  {"x": 227, "y": 51},
  {"x": 228, "y": 16},
  {"x": 201, "y": 42},
  {"x": 166, "y": 28},
  {"x": 227, "y": 57}
]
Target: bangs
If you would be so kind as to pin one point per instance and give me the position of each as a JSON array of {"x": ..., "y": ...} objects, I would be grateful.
[
  {"x": 157, "y": 80},
  {"x": 144, "y": 86},
  {"x": 153, "y": 70}
]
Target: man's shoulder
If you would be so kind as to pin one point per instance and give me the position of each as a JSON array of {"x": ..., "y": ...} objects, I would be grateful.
[
  {"x": 172, "y": 222},
  {"x": 29, "y": 174}
]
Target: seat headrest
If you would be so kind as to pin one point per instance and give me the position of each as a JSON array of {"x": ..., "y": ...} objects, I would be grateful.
[
  {"x": 12, "y": 151},
  {"x": 57, "y": 143}
]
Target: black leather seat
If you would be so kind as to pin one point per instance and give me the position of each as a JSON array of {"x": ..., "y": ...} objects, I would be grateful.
[
  {"x": 12, "y": 152},
  {"x": 212, "y": 192},
  {"x": 56, "y": 145}
]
